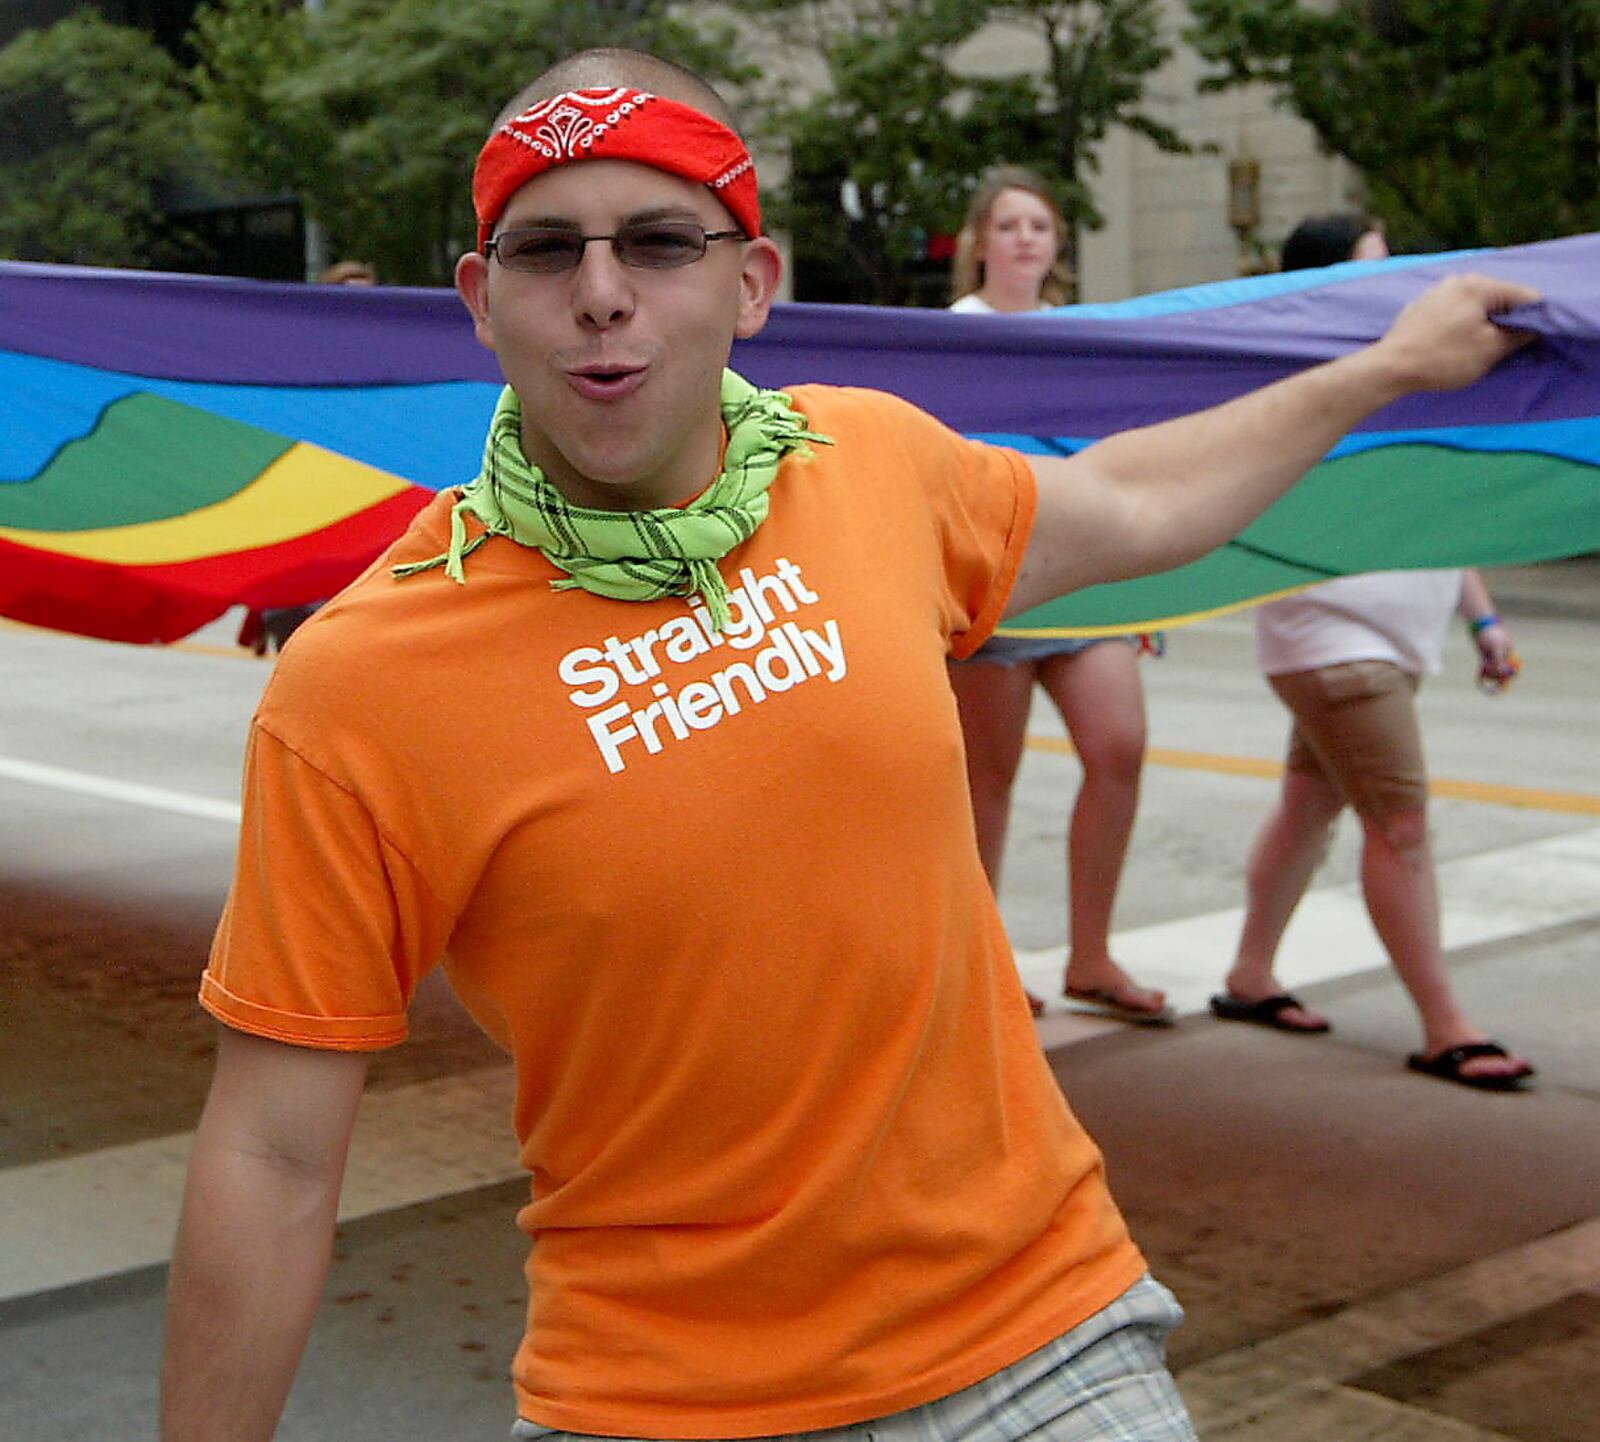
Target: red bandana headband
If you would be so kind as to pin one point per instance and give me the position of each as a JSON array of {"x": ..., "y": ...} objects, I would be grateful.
[{"x": 615, "y": 124}]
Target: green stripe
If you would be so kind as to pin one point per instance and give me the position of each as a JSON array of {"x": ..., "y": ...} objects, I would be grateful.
[
  {"x": 1396, "y": 508},
  {"x": 148, "y": 459}
]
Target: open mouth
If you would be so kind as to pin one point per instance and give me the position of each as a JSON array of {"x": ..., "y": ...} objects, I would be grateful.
[{"x": 605, "y": 382}]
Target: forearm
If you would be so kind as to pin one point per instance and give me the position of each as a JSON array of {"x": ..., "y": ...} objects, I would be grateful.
[
  {"x": 1489, "y": 633},
  {"x": 255, "y": 1236},
  {"x": 1192, "y": 483},
  {"x": 1475, "y": 602},
  {"x": 1151, "y": 499},
  {"x": 247, "y": 1273}
]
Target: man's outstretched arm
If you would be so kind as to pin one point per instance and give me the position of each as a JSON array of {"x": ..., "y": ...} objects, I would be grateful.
[
  {"x": 1160, "y": 496},
  {"x": 256, "y": 1235}
]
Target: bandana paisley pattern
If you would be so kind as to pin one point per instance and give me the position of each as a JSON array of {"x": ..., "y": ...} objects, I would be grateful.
[
  {"x": 562, "y": 128},
  {"x": 614, "y": 123}
]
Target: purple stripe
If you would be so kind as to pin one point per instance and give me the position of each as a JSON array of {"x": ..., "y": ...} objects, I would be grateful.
[
  {"x": 1057, "y": 375},
  {"x": 1040, "y": 375},
  {"x": 238, "y": 332}
]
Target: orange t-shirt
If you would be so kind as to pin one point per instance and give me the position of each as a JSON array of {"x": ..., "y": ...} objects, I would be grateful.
[{"x": 797, "y": 1159}]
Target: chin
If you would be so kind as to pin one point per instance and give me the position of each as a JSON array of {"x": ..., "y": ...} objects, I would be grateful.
[{"x": 607, "y": 486}]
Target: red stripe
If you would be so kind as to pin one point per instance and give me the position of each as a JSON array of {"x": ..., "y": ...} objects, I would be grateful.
[{"x": 166, "y": 603}]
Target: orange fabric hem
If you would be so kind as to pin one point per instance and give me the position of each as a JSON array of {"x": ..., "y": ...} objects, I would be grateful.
[
  {"x": 366, "y": 1033},
  {"x": 975, "y": 1366},
  {"x": 994, "y": 608}
]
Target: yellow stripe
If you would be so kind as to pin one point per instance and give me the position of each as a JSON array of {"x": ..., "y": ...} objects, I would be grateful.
[
  {"x": 1154, "y": 623},
  {"x": 1576, "y": 803},
  {"x": 304, "y": 490}
]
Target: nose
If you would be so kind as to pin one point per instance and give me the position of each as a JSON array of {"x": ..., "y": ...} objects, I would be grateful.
[{"x": 602, "y": 290}]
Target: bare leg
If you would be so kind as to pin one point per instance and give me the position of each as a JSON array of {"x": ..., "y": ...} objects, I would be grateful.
[
  {"x": 1284, "y": 857},
  {"x": 1402, "y": 895},
  {"x": 1099, "y": 696},
  {"x": 993, "y": 703}
]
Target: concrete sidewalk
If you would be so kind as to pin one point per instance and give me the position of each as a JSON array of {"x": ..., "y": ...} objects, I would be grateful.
[{"x": 1364, "y": 1252}]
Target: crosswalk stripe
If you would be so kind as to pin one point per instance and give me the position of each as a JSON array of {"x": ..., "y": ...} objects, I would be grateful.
[
  {"x": 113, "y": 1210},
  {"x": 1492, "y": 896}
]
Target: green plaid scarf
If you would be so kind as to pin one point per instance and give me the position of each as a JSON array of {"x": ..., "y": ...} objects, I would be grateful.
[{"x": 631, "y": 555}]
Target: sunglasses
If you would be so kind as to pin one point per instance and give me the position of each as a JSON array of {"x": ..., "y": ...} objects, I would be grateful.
[{"x": 646, "y": 245}]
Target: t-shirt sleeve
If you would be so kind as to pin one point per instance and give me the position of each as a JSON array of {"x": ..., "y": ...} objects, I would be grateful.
[
  {"x": 981, "y": 499},
  {"x": 328, "y": 927}
]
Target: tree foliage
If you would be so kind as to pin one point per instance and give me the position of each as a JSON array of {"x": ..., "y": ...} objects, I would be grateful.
[
  {"x": 877, "y": 160},
  {"x": 91, "y": 124},
  {"x": 1099, "y": 59},
  {"x": 885, "y": 154},
  {"x": 1474, "y": 121},
  {"x": 372, "y": 111}
]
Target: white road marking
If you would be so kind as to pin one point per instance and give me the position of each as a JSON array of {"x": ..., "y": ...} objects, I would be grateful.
[
  {"x": 156, "y": 798},
  {"x": 113, "y": 1210},
  {"x": 1489, "y": 897},
  {"x": 1296, "y": 1383}
]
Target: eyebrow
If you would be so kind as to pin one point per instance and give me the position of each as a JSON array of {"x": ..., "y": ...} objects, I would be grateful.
[{"x": 637, "y": 217}]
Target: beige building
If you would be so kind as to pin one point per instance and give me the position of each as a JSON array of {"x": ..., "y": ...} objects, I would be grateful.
[{"x": 1168, "y": 217}]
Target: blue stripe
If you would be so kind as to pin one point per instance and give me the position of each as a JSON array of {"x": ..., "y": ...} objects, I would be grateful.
[
  {"x": 1572, "y": 440},
  {"x": 1246, "y": 290},
  {"x": 430, "y": 434}
]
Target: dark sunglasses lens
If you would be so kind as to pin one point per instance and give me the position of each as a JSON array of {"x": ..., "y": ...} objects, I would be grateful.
[
  {"x": 660, "y": 245},
  {"x": 541, "y": 251}
]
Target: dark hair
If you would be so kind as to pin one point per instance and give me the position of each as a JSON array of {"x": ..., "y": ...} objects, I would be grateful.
[{"x": 1324, "y": 240}]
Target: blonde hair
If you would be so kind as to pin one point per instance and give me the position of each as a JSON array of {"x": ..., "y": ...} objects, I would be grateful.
[
  {"x": 349, "y": 272},
  {"x": 966, "y": 271}
]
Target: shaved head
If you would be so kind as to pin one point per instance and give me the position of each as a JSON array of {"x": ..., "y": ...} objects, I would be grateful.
[{"x": 597, "y": 69}]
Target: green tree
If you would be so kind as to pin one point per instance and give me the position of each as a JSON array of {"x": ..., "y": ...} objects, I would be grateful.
[
  {"x": 877, "y": 159},
  {"x": 372, "y": 111},
  {"x": 1100, "y": 57},
  {"x": 1474, "y": 121},
  {"x": 92, "y": 121},
  {"x": 903, "y": 135}
]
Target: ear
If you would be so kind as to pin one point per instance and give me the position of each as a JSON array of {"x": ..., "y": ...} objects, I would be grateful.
[
  {"x": 472, "y": 285},
  {"x": 759, "y": 279}
]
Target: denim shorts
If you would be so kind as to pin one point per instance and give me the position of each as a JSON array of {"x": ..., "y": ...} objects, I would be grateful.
[
  {"x": 1104, "y": 1381},
  {"x": 1018, "y": 650}
]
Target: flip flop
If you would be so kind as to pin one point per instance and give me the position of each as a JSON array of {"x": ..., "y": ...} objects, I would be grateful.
[
  {"x": 1266, "y": 1012},
  {"x": 1447, "y": 1067},
  {"x": 1106, "y": 1003}
]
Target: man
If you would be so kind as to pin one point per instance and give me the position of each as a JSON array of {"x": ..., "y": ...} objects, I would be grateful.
[{"x": 659, "y": 706}]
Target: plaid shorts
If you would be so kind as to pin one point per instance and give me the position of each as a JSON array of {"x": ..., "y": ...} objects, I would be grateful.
[{"x": 1104, "y": 1381}]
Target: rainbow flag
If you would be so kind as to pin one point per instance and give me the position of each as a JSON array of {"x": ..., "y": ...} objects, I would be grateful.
[{"x": 171, "y": 446}]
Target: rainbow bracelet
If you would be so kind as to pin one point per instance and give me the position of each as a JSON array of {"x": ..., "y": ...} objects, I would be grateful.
[{"x": 1483, "y": 623}]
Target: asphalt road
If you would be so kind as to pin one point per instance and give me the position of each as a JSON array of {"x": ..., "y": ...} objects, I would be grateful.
[{"x": 1363, "y": 1252}]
